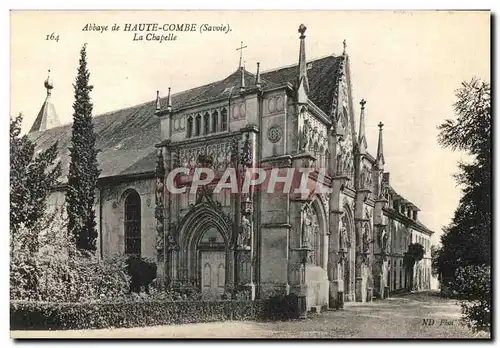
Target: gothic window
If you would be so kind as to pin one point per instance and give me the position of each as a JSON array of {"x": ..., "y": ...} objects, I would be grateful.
[
  {"x": 190, "y": 127},
  {"x": 206, "y": 124},
  {"x": 224, "y": 120},
  {"x": 197, "y": 127},
  {"x": 133, "y": 224},
  {"x": 215, "y": 121}
]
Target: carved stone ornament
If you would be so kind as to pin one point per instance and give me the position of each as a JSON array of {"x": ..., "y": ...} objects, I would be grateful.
[
  {"x": 159, "y": 196},
  {"x": 275, "y": 133}
]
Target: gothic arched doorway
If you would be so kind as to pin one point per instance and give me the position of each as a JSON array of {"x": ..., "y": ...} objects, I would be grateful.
[{"x": 204, "y": 254}]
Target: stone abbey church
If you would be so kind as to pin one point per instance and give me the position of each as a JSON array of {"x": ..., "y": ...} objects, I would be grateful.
[{"x": 347, "y": 244}]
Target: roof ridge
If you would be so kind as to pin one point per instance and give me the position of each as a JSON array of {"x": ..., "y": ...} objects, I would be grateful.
[
  {"x": 295, "y": 64},
  {"x": 107, "y": 113},
  {"x": 173, "y": 95}
]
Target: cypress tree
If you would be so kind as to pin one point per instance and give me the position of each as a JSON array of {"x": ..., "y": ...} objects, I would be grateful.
[{"x": 83, "y": 169}]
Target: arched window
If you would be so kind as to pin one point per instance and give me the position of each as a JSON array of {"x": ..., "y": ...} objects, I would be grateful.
[
  {"x": 224, "y": 120},
  {"x": 133, "y": 224},
  {"x": 190, "y": 127},
  {"x": 215, "y": 121},
  {"x": 206, "y": 123},
  {"x": 197, "y": 125}
]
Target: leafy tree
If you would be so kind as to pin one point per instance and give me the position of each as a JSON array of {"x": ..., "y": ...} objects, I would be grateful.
[
  {"x": 415, "y": 253},
  {"x": 467, "y": 240},
  {"x": 465, "y": 254},
  {"x": 31, "y": 178},
  {"x": 473, "y": 284},
  {"x": 83, "y": 169}
]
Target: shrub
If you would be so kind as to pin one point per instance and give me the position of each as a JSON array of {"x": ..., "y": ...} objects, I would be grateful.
[
  {"x": 473, "y": 285},
  {"x": 280, "y": 307},
  {"x": 26, "y": 315},
  {"x": 142, "y": 272},
  {"x": 57, "y": 271}
]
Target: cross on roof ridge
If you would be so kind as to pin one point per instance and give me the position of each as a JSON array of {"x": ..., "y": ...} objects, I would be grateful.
[{"x": 241, "y": 52}]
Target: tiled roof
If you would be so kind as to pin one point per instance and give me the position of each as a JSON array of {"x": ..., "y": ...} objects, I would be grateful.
[
  {"x": 126, "y": 137},
  {"x": 321, "y": 74}
]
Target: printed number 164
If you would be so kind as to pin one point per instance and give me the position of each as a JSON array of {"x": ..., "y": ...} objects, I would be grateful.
[{"x": 52, "y": 37}]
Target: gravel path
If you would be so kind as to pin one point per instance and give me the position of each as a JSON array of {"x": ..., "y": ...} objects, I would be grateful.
[{"x": 396, "y": 317}]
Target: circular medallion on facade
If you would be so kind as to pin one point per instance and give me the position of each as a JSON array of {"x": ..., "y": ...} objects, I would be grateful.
[{"x": 274, "y": 134}]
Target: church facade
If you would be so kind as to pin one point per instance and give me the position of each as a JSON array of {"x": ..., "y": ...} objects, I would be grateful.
[{"x": 345, "y": 244}]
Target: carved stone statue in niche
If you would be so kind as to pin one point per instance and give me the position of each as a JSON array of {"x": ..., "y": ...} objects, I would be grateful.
[
  {"x": 159, "y": 238},
  {"x": 306, "y": 134},
  {"x": 384, "y": 241},
  {"x": 245, "y": 235},
  {"x": 159, "y": 191},
  {"x": 344, "y": 234},
  {"x": 366, "y": 239},
  {"x": 246, "y": 151},
  {"x": 307, "y": 226}
]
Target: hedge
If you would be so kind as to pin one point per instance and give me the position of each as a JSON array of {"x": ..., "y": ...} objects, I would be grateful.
[{"x": 29, "y": 315}]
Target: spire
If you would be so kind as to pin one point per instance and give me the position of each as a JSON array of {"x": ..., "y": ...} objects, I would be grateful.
[
  {"x": 303, "y": 83},
  {"x": 380, "y": 148},
  {"x": 158, "y": 105},
  {"x": 169, "y": 101},
  {"x": 345, "y": 47},
  {"x": 362, "y": 137},
  {"x": 242, "y": 81},
  {"x": 47, "y": 117},
  {"x": 257, "y": 77}
]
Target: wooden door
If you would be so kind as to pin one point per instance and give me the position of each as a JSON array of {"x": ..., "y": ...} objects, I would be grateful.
[{"x": 213, "y": 274}]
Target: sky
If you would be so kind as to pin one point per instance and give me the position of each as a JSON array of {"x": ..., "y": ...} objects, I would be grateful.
[{"x": 405, "y": 64}]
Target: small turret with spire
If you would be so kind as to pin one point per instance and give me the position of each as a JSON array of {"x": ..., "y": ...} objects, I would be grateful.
[
  {"x": 257, "y": 77},
  {"x": 158, "y": 103},
  {"x": 158, "y": 107},
  {"x": 380, "y": 148},
  {"x": 47, "y": 117},
  {"x": 362, "y": 145},
  {"x": 302, "y": 81},
  {"x": 169, "y": 101}
]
